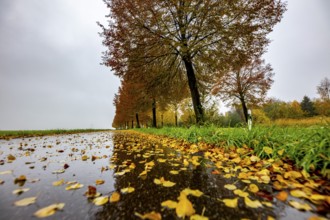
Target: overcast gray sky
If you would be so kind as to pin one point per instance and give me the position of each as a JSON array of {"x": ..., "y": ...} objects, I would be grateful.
[{"x": 50, "y": 54}]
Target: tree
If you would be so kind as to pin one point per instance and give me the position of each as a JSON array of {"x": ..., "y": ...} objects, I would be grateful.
[
  {"x": 275, "y": 108},
  {"x": 324, "y": 89},
  {"x": 188, "y": 39},
  {"x": 247, "y": 84},
  {"x": 307, "y": 106}
]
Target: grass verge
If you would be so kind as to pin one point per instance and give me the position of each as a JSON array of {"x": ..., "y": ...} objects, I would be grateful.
[
  {"x": 308, "y": 147},
  {"x": 33, "y": 133}
]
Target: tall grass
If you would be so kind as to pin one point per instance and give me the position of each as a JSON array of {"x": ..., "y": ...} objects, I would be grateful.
[{"x": 308, "y": 147}]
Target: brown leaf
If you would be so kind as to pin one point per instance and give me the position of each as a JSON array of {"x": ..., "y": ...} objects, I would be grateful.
[
  {"x": 115, "y": 197},
  {"x": 283, "y": 195}
]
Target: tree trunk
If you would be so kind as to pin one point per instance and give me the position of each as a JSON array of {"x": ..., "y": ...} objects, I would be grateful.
[
  {"x": 154, "y": 121},
  {"x": 162, "y": 120},
  {"x": 245, "y": 110},
  {"x": 137, "y": 120},
  {"x": 198, "y": 108},
  {"x": 176, "y": 119},
  {"x": 132, "y": 123}
]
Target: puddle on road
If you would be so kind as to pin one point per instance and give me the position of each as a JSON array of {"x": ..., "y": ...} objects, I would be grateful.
[{"x": 120, "y": 152}]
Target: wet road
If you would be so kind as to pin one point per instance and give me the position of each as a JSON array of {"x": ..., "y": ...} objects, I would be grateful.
[{"x": 123, "y": 160}]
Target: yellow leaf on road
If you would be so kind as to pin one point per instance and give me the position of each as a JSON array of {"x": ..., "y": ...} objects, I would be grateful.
[
  {"x": 20, "y": 191},
  {"x": 184, "y": 207},
  {"x": 252, "y": 204},
  {"x": 74, "y": 186},
  {"x": 300, "y": 206},
  {"x": 195, "y": 192},
  {"x": 58, "y": 183},
  {"x": 241, "y": 193},
  {"x": 169, "y": 204},
  {"x": 49, "y": 210},
  {"x": 174, "y": 172},
  {"x": 168, "y": 183},
  {"x": 127, "y": 190},
  {"x": 164, "y": 182},
  {"x": 99, "y": 182},
  {"x": 232, "y": 203},
  {"x": 151, "y": 215},
  {"x": 292, "y": 175},
  {"x": 253, "y": 188},
  {"x": 230, "y": 187},
  {"x": 298, "y": 194},
  {"x": 198, "y": 217},
  {"x": 26, "y": 201},
  {"x": 115, "y": 197},
  {"x": 101, "y": 200}
]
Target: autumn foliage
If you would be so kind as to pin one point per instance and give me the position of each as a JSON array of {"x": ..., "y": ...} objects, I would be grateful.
[{"x": 180, "y": 43}]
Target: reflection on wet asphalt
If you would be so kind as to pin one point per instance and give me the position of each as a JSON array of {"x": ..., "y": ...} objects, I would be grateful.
[{"x": 119, "y": 159}]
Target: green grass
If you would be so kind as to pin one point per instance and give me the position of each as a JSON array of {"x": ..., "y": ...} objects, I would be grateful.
[
  {"x": 308, "y": 147},
  {"x": 33, "y": 133}
]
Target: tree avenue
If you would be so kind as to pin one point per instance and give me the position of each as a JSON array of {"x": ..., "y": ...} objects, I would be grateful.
[{"x": 196, "y": 41}]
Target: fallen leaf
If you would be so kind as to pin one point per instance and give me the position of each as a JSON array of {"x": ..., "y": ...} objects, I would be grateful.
[
  {"x": 26, "y": 201},
  {"x": 317, "y": 197},
  {"x": 252, "y": 204},
  {"x": 20, "y": 191},
  {"x": 268, "y": 204},
  {"x": 280, "y": 152},
  {"x": 11, "y": 157},
  {"x": 298, "y": 194},
  {"x": 169, "y": 204},
  {"x": 160, "y": 160},
  {"x": 268, "y": 150},
  {"x": 58, "y": 171},
  {"x": 283, "y": 195},
  {"x": 184, "y": 207},
  {"x": 49, "y": 210},
  {"x": 151, "y": 215},
  {"x": 198, "y": 217},
  {"x": 91, "y": 192},
  {"x": 58, "y": 183},
  {"x": 6, "y": 172},
  {"x": 115, "y": 197},
  {"x": 253, "y": 188},
  {"x": 230, "y": 187},
  {"x": 232, "y": 203},
  {"x": 168, "y": 183},
  {"x": 74, "y": 186},
  {"x": 164, "y": 182},
  {"x": 101, "y": 200},
  {"x": 174, "y": 172},
  {"x": 195, "y": 192},
  {"x": 300, "y": 206},
  {"x": 241, "y": 193},
  {"x": 127, "y": 190},
  {"x": 292, "y": 175},
  {"x": 84, "y": 158},
  {"x": 316, "y": 218},
  {"x": 99, "y": 182}
]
